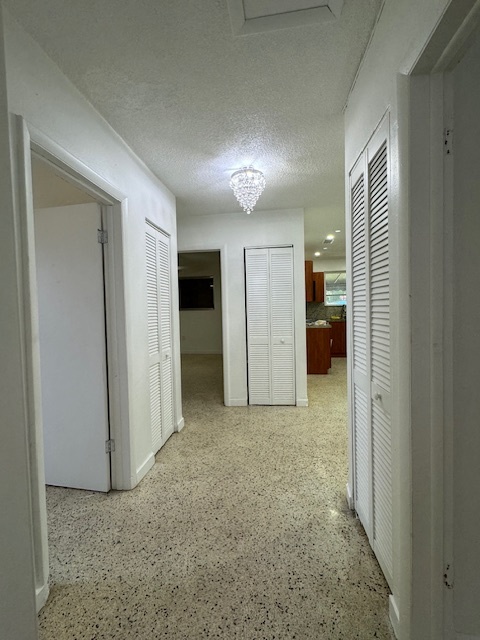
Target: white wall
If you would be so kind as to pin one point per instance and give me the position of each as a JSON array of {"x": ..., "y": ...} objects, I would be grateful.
[
  {"x": 48, "y": 101},
  {"x": 232, "y": 233},
  {"x": 39, "y": 92},
  {"x": 17, "y": 578},
  {"x": 401, "y": 34},
  {"x": 201, "y": 329},
  {"x": 334, "y": 264}
]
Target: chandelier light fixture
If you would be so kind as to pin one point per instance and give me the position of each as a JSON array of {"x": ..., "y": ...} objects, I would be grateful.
[{"x": 247, "y": 184}]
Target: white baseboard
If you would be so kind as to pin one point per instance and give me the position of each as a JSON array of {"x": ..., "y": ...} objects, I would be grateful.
[
  {"x": 302, "y": 402},
  {"x": 145, "y": 467},
  {"x": 236, "y": 402},
  {"x": 41, "y": 596},
  {"x": 394, "y": 615},
  {"x": 180, "y": 424},
  {"x": 350, "y": 497}
]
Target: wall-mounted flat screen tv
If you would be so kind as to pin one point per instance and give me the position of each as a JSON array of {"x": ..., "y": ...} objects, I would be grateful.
[{"x": 196, "y": 293}]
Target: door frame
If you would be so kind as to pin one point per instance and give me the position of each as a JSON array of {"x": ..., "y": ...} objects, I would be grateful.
[
  {"x": 424, "y": 102},
  {"x": 222, "y": 250},
  {"x": 113, "y": 203}
]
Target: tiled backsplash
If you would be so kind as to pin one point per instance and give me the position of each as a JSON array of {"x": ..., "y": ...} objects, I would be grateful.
[{"x": 318, "y": 311}]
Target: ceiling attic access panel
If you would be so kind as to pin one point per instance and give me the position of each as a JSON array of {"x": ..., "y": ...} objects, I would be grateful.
[{"x": 256, "y": 16}]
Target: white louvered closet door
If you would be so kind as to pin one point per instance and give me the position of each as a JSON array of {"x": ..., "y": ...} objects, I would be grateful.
[
  {"x": 370, "y": 332},
  {"x": 163, "y": 257},
  {"x": 257, "y": 276},
  {"x": 380, "y": 351},
  {"x": 360, "y": 352},
  {"x": 282, "y": 325},
  {"x": 159, "y": 336},
  {"x": 270, "y": 325}
]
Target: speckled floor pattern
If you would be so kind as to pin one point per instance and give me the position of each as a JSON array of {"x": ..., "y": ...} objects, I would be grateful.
[{"x": 239, "y": 531}]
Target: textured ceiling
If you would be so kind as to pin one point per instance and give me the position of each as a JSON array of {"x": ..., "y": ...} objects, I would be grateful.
[{"x": 196, "y": 103}]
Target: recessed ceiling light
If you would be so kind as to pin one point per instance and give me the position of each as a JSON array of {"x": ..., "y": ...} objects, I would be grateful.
[
  {"x": 330, "y": 237},
  {"x": 317, "y": 253},
  {"x": 325, "y": 248},
  {"x": 338, "y": 231}
]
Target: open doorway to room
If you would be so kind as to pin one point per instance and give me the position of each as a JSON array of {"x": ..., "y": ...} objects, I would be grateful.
[
  {"x": 201, "y": 330},
  {"x": 79, "y": 436},
  {"x": 72, "y": 332}
]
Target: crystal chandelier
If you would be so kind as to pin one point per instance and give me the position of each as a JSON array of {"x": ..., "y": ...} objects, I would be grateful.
[{"x": 247, "y": 184}]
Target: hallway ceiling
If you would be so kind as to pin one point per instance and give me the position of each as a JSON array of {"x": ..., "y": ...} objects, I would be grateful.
[{"x": 196, "y": 102}]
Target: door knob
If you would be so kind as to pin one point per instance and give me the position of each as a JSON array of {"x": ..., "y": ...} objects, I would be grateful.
[
  {"x": 282, "y": 340},
  {"x": 377, "y": 396}
]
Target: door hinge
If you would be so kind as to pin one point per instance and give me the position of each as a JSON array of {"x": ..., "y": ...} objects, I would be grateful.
[
  {"x": 448, "y": 141},
  {"x": 109, "y": 446},
  {"x": 448, "y": 576},
  {"x": 102, "y": 236}
]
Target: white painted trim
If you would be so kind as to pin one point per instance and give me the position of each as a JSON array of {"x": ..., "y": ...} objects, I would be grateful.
[
  {"x": 302, "y": 402},
  {"x": 76, "y": 171},
  {"x": 89, "y": 181},
  {"x": 394, "y": 615},
  {"x": 30, "y": 140},
  {"x": 236, "y": 402},
  {"x": 115, "y": 309},
  {"x": 144, "y": 468},
  {"x": 349, "y": 496},
  {"x": 180, "y": 424},
  {"x": 41, "y": 596}
]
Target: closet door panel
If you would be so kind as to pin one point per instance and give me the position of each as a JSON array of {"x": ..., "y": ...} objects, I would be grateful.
[
  {"x": 163, "y": 255},
  {"x": 159, "y": 335},
  {"x": 258, "y": 326},
  {"x": 379, "y": 276},
  {"x": 153, "y": 322},
  {"x": 270, "y": 325},
  {"x": 282, "y": 326},
  {"x": 361, "y": 388}
]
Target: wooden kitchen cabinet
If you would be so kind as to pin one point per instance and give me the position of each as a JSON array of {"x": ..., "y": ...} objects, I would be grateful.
[
  {"x": 318, "y": 349},
  {"x": 309, "y": 280},
  {"x": 339, "y": 339},
  {"x": 318, "y": 287}
]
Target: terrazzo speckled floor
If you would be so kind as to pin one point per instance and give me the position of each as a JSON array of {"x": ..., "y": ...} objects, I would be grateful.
[{"x": 239, "y": 531}]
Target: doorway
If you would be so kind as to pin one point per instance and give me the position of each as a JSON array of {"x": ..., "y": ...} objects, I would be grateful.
[
  {"x": 69, "y": 252},
  {"x": 70, "y": 172},
  {"x": 201, "y": 321}
]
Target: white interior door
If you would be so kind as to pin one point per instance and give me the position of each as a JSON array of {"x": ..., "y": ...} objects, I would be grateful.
[
  {"x": 379, "y": 272},
  {"x": 159, "y": 311},
  {"x": 270, "y": 325},
  {"x": 370, "y": 331},
  {"x": 72, "y": 346},
  {"x": 361, "y": 357}
]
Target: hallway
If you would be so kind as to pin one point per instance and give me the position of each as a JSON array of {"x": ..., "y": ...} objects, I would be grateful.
[{"x": 241, "y": 530}]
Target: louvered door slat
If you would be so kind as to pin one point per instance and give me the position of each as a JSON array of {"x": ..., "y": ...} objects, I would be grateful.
[
  {"x": 152, "y": 295},
  {"x": 359, "y": 305},
  {"x": 362, "y": 456},
  {"x": 379, "y": 266}
]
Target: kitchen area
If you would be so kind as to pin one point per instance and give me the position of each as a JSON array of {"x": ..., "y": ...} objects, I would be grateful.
[{"x": 325, "y": 295}]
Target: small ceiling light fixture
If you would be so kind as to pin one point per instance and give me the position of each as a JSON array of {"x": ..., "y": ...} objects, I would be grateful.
[
  {"x": 338, "y": 231},
  {"x": 247, "y": 184},
  {"x": 317, "y": 253},
  {"x": 330, "y": 237}
]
